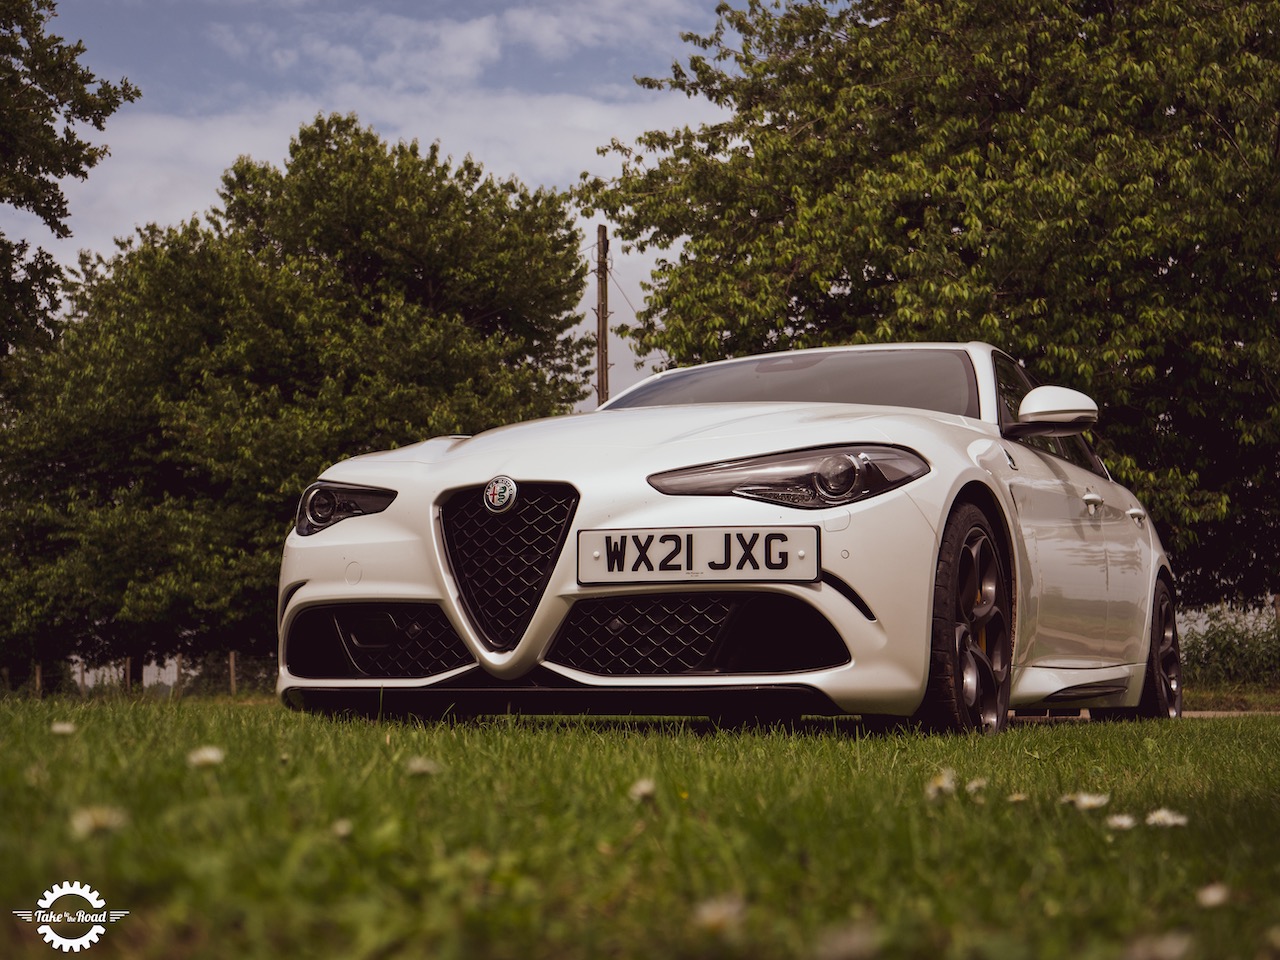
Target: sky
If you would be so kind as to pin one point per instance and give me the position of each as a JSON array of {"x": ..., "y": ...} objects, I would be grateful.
[{"x": 529, "y": 88}]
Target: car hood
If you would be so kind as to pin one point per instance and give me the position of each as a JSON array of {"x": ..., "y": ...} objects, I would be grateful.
[{"x": 652, "y": 439}]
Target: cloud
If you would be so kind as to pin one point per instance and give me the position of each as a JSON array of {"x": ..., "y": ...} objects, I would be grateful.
[
  {"x": 417, "y": 54},
  {"x": 512, "y": 47},
  {"x": 529, "y": 89},
  {"x": 166, "y": 168},
  {"x": 557, "y": 30}
]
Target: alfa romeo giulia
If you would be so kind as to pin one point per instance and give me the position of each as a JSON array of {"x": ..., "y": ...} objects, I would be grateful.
[{"x": 910, "y": 531}]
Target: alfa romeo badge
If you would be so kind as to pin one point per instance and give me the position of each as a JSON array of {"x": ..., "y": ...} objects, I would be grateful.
[{"x": 499, "y": 494}]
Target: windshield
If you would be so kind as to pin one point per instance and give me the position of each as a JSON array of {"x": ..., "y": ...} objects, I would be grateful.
[{"x": 925, "y": 379}]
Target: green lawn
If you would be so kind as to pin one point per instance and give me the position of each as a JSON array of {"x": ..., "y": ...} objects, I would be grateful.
[
  {"x": 1258, "y": 697},
  {"x": 574, "y": 838}
]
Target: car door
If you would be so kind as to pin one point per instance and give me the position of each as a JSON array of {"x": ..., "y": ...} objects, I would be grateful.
[
  {"x": 1126, "y": 535},
  {"x": 1058, "y": 510}
]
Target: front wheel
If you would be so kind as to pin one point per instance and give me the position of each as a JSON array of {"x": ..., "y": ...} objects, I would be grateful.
[{"x": 972, "y": 642}]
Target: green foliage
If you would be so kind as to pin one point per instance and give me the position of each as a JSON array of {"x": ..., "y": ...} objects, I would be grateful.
[
  {"x": 1232, "y": 646},
  {"x": 1092, "y": 186},
  {"x": 46, "y": 95},
  {"x": 360, "y": 299},
  {"x": 519, "y": 838}
]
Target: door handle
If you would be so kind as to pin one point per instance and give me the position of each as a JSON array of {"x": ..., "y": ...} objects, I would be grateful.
[
  {"x": 1092, "y": 500},
  {"x": 1138, "y": 514}
]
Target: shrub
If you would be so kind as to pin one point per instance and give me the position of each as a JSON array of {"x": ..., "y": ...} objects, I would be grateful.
[{"x": 1229, "y": 645}]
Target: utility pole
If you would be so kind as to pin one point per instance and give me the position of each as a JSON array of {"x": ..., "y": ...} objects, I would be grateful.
[{"x": 602, "y": 315}]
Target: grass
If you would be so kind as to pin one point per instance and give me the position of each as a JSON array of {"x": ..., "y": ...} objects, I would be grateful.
[
  {"x": 528, "y": 838},
  {"x": 1240, "y": 696}
]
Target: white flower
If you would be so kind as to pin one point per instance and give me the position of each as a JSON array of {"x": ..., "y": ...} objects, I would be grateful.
[
  {"x": 90, "y": 820},
  {"x": 1017, "y": 798},
  {"x": 1214, "y": 895},
  {"x": 857, "y": 941},
  {"x": 422, "y": 767},
  {"x": 1086, "y": 801},
  {"x": 1166, "y": 946},
  {"x": 1121, "y": 821},
  {"x": 944, "y": 781},
  {"x": 975, "y": 786},
  {"x": 205, "y": 757},
  {"x": 63, "y": 728},
  {"x": 341, "y": 828},
  {"x": 720, "y": 915},
  {"x": 643, "y": 790},
  {"x": 1165, "y": 817}
]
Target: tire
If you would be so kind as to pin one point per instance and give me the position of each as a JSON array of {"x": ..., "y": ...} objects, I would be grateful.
[
  {"x": 972, "y": 641},
  {"x": 1162, "y": 679}
]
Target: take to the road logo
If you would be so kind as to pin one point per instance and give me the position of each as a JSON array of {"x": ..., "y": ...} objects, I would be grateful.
[{"x": 71, "y": 916}]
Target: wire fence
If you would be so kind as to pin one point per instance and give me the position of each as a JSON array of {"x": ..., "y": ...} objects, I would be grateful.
[{"x": 216, "y": 674}]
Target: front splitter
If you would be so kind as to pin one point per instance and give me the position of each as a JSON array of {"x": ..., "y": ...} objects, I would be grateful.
[{"x": 436, "y": 702}]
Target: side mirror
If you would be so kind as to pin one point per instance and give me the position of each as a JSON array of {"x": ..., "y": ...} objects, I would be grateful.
[{"x": 1053, "y": 412}]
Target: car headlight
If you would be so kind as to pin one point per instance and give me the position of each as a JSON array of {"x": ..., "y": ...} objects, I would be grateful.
[
  {"x": 323, "y": 504},
  {"x": 811, "y": 479}
]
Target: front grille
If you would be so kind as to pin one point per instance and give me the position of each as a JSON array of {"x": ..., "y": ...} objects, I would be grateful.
[
  {"x": 642, "y": 636},
  {"x": 673, "y": 634},
  {"x": 385, "y": 640},
  {"x": 502, "y": 561}
]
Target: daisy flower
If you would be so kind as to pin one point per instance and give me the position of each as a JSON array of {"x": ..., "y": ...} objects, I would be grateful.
[
  {"x": 944, "y": 781},
  {"x": 720, "y": 915},
  {"x": 206, "y": 757},
  {"x": 643, "y": 790},
  {"x": 90, "y": 820},
  {"x": 1165, "y": 817},
  {"x": 1087, "y": 801}
]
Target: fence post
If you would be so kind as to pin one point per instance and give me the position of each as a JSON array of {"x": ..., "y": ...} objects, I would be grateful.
[
  {"x": 231, "y": 659},
  {"x": 176, "y": 690},
  {"x": 39, "y": 681}
]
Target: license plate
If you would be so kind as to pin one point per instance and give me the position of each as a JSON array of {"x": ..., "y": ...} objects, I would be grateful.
[{"x": 718, "y": 554}]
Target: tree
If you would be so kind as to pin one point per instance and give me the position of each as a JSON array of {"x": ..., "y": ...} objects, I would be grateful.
[
  {"x": 1090, "y": 184},
  {"x": 45, "y": 95},
  {"x": 359, "y": 299}
]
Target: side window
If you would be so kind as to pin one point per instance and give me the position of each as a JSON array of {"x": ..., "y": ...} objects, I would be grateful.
[
  {"x": 1078, "y": 451},
  {"x": 1012, "y": 384}
]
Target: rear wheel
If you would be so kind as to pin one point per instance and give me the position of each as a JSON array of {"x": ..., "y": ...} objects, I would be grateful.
[
  {"x": 972, "y": 645},
  {"x": 1162, "y": 689},
  {"x": 1162, "y": 680}
]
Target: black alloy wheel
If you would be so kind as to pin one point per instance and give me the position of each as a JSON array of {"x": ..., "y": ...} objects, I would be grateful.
[
  {"x": 972, "y": 643},
  {"x": 1162, "y": 679},
  {"x": 1162, "y": 688}
]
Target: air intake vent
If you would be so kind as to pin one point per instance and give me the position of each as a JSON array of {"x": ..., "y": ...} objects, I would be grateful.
[
  {"x": 387, "y": 640},
  {"x": 673, "y": 634}
]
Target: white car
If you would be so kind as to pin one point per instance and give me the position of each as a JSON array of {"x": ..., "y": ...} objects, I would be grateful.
[{"x": 906, "y": 531}]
